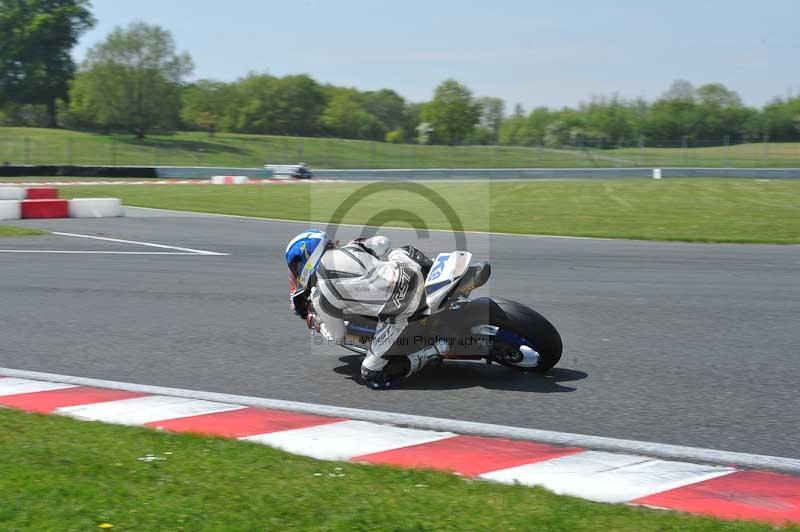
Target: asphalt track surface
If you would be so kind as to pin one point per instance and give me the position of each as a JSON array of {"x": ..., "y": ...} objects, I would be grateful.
[{"x": 686, "y": 344}]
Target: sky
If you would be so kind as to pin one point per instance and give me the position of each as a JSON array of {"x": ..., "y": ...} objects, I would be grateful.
[{"x": 530, "y": 52}]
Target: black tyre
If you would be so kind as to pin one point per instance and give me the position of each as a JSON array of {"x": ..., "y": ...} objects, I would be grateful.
[{"x": 530, "y": 325}]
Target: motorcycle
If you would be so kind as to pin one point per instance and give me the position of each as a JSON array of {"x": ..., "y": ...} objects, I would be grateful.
[{"x": 494, "y": 330}]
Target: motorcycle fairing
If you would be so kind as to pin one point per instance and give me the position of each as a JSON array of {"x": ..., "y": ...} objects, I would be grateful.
[{"x": 447, "y": 269}]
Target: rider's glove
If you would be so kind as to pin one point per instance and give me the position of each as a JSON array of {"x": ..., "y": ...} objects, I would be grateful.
[
  {"x": 420, "y": 258},
  {"x": 313, "y": 322},
  {"x": 299, "y": 304}
]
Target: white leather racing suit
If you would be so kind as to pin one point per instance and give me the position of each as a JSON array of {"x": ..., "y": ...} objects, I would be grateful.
[{"x": 368, "y": 278}]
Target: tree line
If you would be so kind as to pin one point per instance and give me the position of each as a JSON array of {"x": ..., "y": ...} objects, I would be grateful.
[
  {"x": 135, "y": 81},
  {"x": 711, "y": 113}
]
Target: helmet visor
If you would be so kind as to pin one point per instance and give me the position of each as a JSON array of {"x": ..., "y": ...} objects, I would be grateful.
[{"x": 292, "y": 282}]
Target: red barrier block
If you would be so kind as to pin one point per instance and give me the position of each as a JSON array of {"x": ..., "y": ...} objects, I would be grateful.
[
  {"x": 41, "y": 193},
  {"x": 45, "y": 208}
]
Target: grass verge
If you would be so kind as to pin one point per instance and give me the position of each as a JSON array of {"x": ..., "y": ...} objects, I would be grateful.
[
  {"x": 57, "y": 146},
  {"x": 10, "y": 230},
  {"x": 61, "y": 474},
  {"x": 694, "y": 210},
  {"x": 54, "y": 146}
]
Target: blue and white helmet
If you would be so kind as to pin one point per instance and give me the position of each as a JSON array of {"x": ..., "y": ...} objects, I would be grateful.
[{"x": 303, "y": 255}]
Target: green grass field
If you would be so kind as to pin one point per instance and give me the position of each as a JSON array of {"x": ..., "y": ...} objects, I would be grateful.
[
  {"x": 10, "y": 230},
  {"x": 694, "y": 210},
  {"x": 754, "y": 155},
  {"x": 61, "y": 474},
  {"x": 53, "y": 146}
]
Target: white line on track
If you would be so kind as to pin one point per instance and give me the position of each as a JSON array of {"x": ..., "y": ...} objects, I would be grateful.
[
  {"x": 178, "y": 250},
  {"x": 73, "y": 252},
  {"x": 147, "y": 244},
  {"x": 599, "y": 443}
]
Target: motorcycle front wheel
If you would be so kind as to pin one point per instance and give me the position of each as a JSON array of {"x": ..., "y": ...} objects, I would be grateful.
[{"x": 522, "y": 338}]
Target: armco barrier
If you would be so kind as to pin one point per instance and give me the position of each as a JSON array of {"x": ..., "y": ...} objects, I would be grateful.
[
  {"x": 76, "y": 171},
  {"x": 480, "y": 173},
  {"x": 163, "y": 172},
  {"x": 553, "y": 173},
  {"x": 201, "y": 172},
  {"x": 756, "y": 173}
]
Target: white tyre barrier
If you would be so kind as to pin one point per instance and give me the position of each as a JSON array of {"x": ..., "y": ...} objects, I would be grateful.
[
  {"x": 10, "y": 210},
  {"x": 12, "y": 193},
  {"x": 95, "y": 208},
  {"x": 229, "y": 180}
]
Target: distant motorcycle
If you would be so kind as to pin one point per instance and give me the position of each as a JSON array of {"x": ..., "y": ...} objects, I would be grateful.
[
  {"x": 301, "y": 172},
  {"x": 295, "y": 171},
  {"x": 492, "y": 329}
]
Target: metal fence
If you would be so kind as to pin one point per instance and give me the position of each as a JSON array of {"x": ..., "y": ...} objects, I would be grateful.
[{"x": 229, "y": 150}]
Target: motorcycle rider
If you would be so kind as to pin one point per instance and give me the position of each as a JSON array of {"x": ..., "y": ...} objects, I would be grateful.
[{"x": 369, "y": 278}]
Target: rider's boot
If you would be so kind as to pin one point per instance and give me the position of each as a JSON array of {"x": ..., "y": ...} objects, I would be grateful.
[
  {"x": 420, "y": 359},
  {"x": 381, "y": 373}
]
